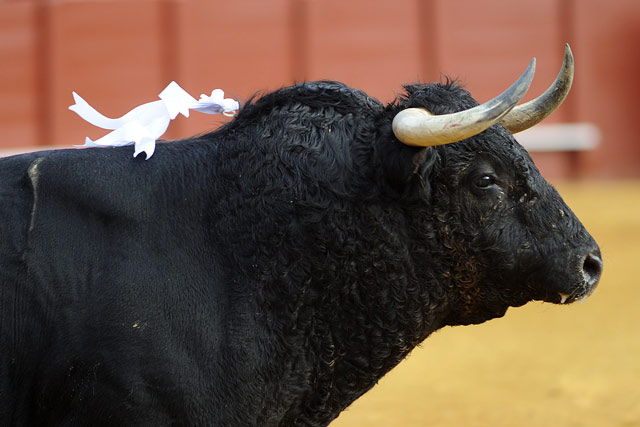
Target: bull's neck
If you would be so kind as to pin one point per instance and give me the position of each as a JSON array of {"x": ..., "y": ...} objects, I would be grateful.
[{"x": 370, "y": 310}]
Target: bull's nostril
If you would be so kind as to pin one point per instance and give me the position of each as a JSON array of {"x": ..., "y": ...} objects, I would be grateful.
[{"x": 592, "y": 269}]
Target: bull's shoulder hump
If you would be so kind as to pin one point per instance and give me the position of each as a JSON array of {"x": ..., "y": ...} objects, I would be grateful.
[{"x": 318, "y": 95}]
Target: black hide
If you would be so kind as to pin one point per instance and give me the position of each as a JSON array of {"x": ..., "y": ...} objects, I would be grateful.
[{"x": 267, "y": 273}]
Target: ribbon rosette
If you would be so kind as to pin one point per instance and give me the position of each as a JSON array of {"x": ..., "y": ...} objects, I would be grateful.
[{"x": 143, "y": 125}]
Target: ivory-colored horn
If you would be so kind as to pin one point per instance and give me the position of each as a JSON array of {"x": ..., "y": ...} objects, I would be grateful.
[
  {"x": 418, "y": 127},
  {"x": 533, "y": 112}
]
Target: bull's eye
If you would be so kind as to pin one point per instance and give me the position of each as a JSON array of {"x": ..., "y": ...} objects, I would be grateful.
[{"x": 484, "y": 181}]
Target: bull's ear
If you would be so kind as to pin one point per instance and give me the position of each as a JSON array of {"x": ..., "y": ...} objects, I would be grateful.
[
  {"x": 405, "y": 167},
  {"x": 423, "y": 162}
]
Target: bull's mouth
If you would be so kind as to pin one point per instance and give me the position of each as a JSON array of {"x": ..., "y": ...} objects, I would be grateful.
[
  {"x": 571, "y": 298},
  {"x": 555, "y": 297},
  {"x": 579, "y": 293}
]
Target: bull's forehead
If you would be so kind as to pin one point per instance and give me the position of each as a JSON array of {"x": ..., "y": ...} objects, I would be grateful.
[{"x": 496, "y": 145}]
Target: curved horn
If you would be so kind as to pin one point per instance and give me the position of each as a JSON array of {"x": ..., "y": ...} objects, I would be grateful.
[
  {"x": 418, "y": 127},
  {"x": 533, "y": 112}
]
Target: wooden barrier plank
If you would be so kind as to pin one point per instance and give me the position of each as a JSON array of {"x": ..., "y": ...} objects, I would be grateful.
[
  {"x": 608, "y": 88},
  {"x": 376, "y": 50},
  {"x": 240, "y": 46},
  {"x": 18, "y": 74},
  {"x": 109, "y": 53},
  {"x": 488, "y": 44}
]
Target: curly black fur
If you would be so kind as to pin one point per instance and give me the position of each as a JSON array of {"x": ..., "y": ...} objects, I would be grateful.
[{"x": 282, "y": 264}]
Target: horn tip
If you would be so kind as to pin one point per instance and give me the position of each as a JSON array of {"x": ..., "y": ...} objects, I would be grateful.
[
  {"x": 568, "y": 54},
  {"x": 529, "y": 73},
  {"x": 531, "y": 69}
]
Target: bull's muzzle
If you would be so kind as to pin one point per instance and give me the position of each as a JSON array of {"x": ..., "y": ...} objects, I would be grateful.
[{"x": 589, "y": 268}]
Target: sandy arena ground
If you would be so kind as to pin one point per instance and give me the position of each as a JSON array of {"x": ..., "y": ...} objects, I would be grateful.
[{"x": 542, "y": 364}]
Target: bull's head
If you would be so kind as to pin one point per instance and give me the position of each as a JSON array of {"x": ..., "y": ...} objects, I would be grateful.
[{"x": 508, "y": 235}]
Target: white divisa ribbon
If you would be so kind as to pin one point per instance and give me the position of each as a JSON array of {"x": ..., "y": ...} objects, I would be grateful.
[{"x": 143, "y": 125}]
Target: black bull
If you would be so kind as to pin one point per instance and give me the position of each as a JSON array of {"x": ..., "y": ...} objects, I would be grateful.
[{"x": 267, "y": 273}]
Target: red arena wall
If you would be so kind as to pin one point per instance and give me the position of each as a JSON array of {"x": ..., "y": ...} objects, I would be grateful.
[{"x": 120, "y": 54}]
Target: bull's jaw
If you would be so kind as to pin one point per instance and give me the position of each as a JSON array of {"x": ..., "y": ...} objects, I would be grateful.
[
  {"x": 573, "y": 280},
  {"x": 477, "y": 312}
]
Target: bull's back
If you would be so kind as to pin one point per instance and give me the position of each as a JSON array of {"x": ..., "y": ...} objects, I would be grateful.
[{"x": 112, "y": 294}]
